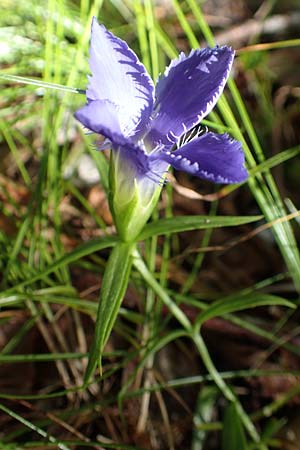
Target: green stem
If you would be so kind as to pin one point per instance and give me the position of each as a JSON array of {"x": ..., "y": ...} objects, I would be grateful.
[{"x": 148, "y": 277}]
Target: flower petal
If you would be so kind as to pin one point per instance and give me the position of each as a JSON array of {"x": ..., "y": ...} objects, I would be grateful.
[
  {"x": 188, "y": 91},
  {"x": 214, "y": 157},
  {"x": 101, "y": 117},
  {"x": 119, "y": 77}
]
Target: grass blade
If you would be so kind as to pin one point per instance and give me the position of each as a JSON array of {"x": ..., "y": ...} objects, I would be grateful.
[
  {"x": 223, "y": 307},
  {"x": 187, "y": 223}
]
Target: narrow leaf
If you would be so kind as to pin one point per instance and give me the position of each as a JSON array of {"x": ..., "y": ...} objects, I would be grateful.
[
  {"x": 233, "y": 436},
  {"x": 187, "y": 223},
  {"x": 113, "y": 289},
  {"x": 225, "y": 306}
]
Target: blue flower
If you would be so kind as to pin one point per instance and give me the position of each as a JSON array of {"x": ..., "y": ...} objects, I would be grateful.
[{"x": 148, "y": 127}]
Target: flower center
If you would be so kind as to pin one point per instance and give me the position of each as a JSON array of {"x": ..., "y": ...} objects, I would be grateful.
[{"x": 195, "y": 132}]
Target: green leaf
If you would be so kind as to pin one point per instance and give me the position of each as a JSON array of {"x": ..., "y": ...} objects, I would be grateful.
[
  {"x": 276, "y": 160},
  {"x": 188, "y": 223},
  {"x": 113, "y": 289},
  {"x": 233, "y": 436},
  {"x": 226, "y": 306}
]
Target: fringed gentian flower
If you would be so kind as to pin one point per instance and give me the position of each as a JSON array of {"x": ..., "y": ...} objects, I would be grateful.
[{"x": 149, "y": 128}]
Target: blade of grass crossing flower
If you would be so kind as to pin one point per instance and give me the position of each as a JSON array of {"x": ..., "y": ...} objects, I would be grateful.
[
  {"x": 113, "y": 289},
  {"x": 40, "y": 83}
]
